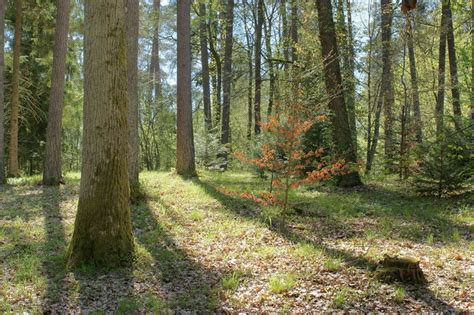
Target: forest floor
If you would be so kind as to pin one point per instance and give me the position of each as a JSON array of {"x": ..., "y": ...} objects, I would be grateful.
[{"x": 200, "y": 248}]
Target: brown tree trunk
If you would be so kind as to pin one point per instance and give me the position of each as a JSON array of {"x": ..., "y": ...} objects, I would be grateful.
[
  {"x": 217, "y": 78},
  {"x": 154, "y": 70},
  {"x": 206, "y": 89},
  {"x": 294, "y": 30},
  {"x": 387, "y": 85},
  {"x": 414, "y": 84},
  {"x": 271, "y": 70},
  {"x": 185, "y": 164},
  {"x": 13, "y": 167},
  {"x": 258, "y": 67},
  {"x": 52, "y": 160},
  {"x": 103, "y": 230},
  {"x": 285, "y": 40},
  {"x": 2, "y": 91},
  {"x": 132, "y": 28},
  {"x": 341, "y": 129},
  {"x": 250, "y": 73},
  {"x": 439, "y": 110},
  {"x": 229, "y": 30}
]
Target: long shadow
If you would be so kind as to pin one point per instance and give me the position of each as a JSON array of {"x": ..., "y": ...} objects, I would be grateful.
[
  {"x": 421, "y": 292},
  {"x": 186, "y": 285}
]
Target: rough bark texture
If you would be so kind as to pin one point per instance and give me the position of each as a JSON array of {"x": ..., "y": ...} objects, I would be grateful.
[
  {"x": 439, "y": 110},
  {"x": 229, "y": 30},
  {"x": 333, "y": 80},
  {"x": 103, "y": 231},
  {"x": 185, "y": 164},
  {"x": 258, "y": 67},
  {"x": 52, "y": 160},
  {"x": 414, "y": 85},
  {"x": 13, "y": 167},
  {"x": 2, "y": 92},
  {"x": 206, "y": 88},
  {"x": 132, "y": 28}
]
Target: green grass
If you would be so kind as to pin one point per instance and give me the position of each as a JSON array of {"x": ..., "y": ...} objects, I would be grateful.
[
  {"x": 332, "y": 265},
  {"x": 232, "y": 281},
  {"x": 282, "y": 283},
  {"x": 340, "y": 298},
  {"x": 399, "y": 295}
]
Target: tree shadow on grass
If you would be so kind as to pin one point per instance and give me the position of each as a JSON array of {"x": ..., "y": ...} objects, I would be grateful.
[{"x": 241, "y": 207}]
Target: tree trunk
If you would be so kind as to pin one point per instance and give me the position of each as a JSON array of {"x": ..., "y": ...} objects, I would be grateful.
[
  {"x": 154, "y": 71},
  {"x": 453, "y": 66},
  {"x": 271, "y": 70},
  {"x": 103, "y": 230},
  {"x": 387, "y": 85},
  {"x": 132, "y": 28},
  {"x": 414, "y": 84},
  {"x": 13, "y": 167},
  {"x": 229, "y": 29},
  {"x": 285, "y": 41},
  {"x": 250, "y": 74},
  {"x": 185, "y": 164},
  {"x": 258, "y": 66},
  {"x": 206, "y": 89},
  {"x": 333, "y": 80},
  {"x": 217, "y": 78},
  {"x": 52, "y": 159},
  {"x": 2, "y": 92},
  {"x": 439, "y": 110},
  {"x": 294, "y": 30}
]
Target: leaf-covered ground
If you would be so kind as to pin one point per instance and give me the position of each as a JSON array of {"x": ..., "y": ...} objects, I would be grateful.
[{"x": 199, "y": 249}]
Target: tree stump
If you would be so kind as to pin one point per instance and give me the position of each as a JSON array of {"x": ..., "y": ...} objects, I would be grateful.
[{"x": 403, "y": 269}]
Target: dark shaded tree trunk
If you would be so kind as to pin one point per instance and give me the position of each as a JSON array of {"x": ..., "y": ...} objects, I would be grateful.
[
  {"x": 285, "y": 39},
  {"x": 258, "y": 67},
  {"x": 185, "y": 164},
  {"x": 332, "y": 72},
  {"x": 250, "y": 74},
  {"x": 13, "y": 167},
  {"x": 439, "y": 110},
  {"x": 206, "y": 88},
  {"x": 2, "y": 92},
  {"x": 271, "y": 71},
  {"x": 417, "y": 123},
  {"x": 229, "y": 30},
  {"x": 132, "y": 28},
  {"x": 103, "y": 230},
  {"x": 52, "y": 160}
]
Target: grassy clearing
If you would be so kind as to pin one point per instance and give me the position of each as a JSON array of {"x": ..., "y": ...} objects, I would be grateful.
[{"x": 201, "y": 250}]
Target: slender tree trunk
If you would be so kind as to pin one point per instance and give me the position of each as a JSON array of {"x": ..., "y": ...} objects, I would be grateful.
[
  {"x": 294, "y": 30},
  {"x": 52, "y": 159},
  {"x": 285, "y": 40},
  {"x": 341, "y": 129},
  {"x": 250, "y": 75},
  {"x": 414, "y": 84},
  {"x": 472, "y": 60},
  {"x": 2, "y": 91},
  {"x": 185, "y": 164},
  {"x": 271, "y": 70},
  {"x": 439, "y": 111},
  {"x": 453, "y": 66},
  {"x": 217, "y": 78},
  {"x": 13, "y": 167},
  {"x": 103, "y": 230},
  {"x": 387, "y": 85},
  {"x": 155, "y": 71},
  {"x": 206, "y": 89},
  {"x": 229, "y": 30},
  {"x": 132, "y": 28},
  {"x": 258, "y": 66}
]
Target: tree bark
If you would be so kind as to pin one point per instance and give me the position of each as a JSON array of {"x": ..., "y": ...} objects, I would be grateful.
[
  {"x": 387, "y": 85},
  {"x": 294, "y": 30},
  {"x": 271, "y": 70},
  {"x": 2, "y": 91},
  {"x": 285, "y": 40},
  {"x": 414, "y": 85},
  {"x": 439, "y": 110},
  {"x": 185, "y": 164},
  {"x": 206, "y": 88},
  {"x": 103, "y": 230},
  {"x": 250, "y": 74},
  {"x": 154, "y": 70},
  {"x": 258, "y": 67},
  {"x": 52, "y": 160},
  {"x": 13, "y": 167},
  {"x": 341, "y": 129},
  {"x": 132, "y": 28},
  {"x": 229, "y": 29}
]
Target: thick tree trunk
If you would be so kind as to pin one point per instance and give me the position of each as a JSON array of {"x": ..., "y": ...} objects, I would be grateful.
[
  {"x": 258, "y": 67},
  {"x": 229, "y": 30},
  {"x": 453, "y": 66},
  {"x": 132, "y": 28},
  {"x": 103, "y": 230},
  {"x": 414, "y": 85},
  {"x": 333, "y": 80},
  {"x": 387, "y": 85},
  {"x": 439, "y": 110},
  {"x": 185, "y": 164},
  {"x": 206, "y": 88},
  {"x": 2, "y": 91},
  {"x": 52, "y": 160},
  {"x": 13, "y": 167}
]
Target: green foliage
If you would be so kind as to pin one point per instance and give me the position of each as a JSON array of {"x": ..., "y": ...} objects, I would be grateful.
[
  {"x": 282, "y": 283},
  {"x": 231, "y": 281},
  {"x": 271, "y": 214},
  {"x": 399, "y": 295}
]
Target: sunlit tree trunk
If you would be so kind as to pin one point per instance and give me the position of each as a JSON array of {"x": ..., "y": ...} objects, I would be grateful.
[
  {"x": 453, "y": 65},
  {"x": 13, "y": 167},
  {"x": 206, "y": 89},
  {"x": 2, "y": 91},
  {"x": 52, "y": 159},
  {"x": 439, "y": 110},
  {"x": 417, "y": 123},
  {"x": 185, "y": 164},
  {"x": 258, "y": 67},
  {"x": 271, "y": 71},
  {"x": 250, "y": 73},
  {"x": 103, "y": 230},
  {"x": 154, "y": 70}
]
